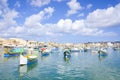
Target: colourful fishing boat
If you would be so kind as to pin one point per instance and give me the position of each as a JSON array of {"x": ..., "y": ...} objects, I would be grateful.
[
  {"x": 8, "y": 52},
  {"x": 29, "y": 59},
  {"x": 45, "y": 52},
  {"x": 67, "y": 53}
]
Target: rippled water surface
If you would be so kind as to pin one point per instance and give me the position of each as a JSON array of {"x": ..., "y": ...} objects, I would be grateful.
[{"x": 81, "y": 66}]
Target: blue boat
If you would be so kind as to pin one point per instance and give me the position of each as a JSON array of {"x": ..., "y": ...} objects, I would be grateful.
[
  {"x": 45, "y": 54},
  {"x": 10, "y": 55},
  {"x": 27, "y": 60},
  {"x": 13, "y": 52}
]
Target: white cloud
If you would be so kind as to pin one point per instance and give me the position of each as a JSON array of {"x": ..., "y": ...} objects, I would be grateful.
[
  {"x": 74, "y": 7},
  {"x": 79, "y": 27},
  {"x": 39, "y": 3},
  {"x": 3, "y": 7},
  {"x": 64, "y": 25},
  {"x": 7, "y": 15},
  {"x": 8, "y": 19},
  {"x": 17, "y": 29},
  {"x": 104, "y": 17},
  {"x": 35, "y": 20},
  {"x": 89, "y": 6},
  {"x": 33, "y": 26}
]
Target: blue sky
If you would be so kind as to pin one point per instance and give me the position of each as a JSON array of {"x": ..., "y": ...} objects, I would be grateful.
[{"x": 60, "y": 20}]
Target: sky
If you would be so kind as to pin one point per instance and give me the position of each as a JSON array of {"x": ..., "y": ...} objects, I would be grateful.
[{"x": 62, "y": 21}]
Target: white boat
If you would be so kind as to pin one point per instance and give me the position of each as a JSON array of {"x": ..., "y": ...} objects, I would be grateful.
[
  {"x": 23, "y": 60},
  {"x": 75, "y": 50},
  {"x": 94, "y": 51},
  {"x": 27, "y": 59},
  {"x": 103, "y": 52}
]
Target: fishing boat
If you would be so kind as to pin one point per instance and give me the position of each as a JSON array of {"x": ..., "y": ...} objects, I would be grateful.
[
  {"x": 116, "y": 48},
  {"x": 9, "y": 51},
  {"x": 67, "y": 54},
  {"x": 45, "y": 51},
  {"x": 29, "y": 59},
  {"x": 94, "y": 51},
  {"x": 102, "y": 52},
  {"x": 85, "y": 49},
  {"x": 75, "y": 50}
]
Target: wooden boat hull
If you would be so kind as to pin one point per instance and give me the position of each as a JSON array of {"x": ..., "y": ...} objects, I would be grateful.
[
  {"x": 10, "y": 55},
  {"x": 45, "y": 54},
  {"x": 28, "y": 60},
  {"x": 103, "y": 54}
]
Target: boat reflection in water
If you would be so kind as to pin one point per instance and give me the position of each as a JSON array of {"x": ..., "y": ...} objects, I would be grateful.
[
  {"x": 26, "y": 68},
  {"x": 102, "y": 54},
  {"x": 67, "y": 59},
  {"x": 6, "y": 59},
  {"x": 44, "y": 58}
]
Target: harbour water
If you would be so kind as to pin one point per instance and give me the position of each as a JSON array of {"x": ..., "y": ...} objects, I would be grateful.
[{"x": 81, "y": 66}]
